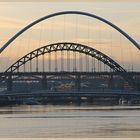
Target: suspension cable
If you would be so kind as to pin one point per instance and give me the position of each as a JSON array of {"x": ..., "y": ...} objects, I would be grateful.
[
  {"x": 74, "y": 61},
  {"x": 62, "y": 61},
  {"x": 43, "y": 63},
  {"x": 37, "y": 64},
  {"x": 111, "y": 45},
  {"x": 56, "y": 61},
  {"x": 49, "y": 62},
  {"x": 68, "y": 61},
  {"x": 30, "y": 65},
  {"x": 80, "y": 62}
]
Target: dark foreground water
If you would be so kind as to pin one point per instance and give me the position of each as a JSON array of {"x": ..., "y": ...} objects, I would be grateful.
[{"x": 69, "y": 121}]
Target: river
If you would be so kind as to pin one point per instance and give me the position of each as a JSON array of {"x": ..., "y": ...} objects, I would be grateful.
[{"x": 48, "y": 121}]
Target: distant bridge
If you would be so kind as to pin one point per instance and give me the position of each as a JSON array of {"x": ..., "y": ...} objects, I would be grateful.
[{"x": 77, "y": 77}]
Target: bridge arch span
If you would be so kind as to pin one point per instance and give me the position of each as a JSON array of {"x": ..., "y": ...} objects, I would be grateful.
[
  {"x": 70, "y": 12},
  {"x": 67, "y": 46}
]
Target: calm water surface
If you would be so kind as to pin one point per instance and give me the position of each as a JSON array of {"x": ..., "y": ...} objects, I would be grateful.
[{"x": 69, "y": 121}]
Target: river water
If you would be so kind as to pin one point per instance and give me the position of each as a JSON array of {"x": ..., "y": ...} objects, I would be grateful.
[{"x": 69, "y": 121}]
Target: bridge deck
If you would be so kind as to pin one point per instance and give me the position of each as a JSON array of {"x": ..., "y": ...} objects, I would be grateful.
[
  {"x": 67, "y": 73},
  {"x": 70, "y": 94}
]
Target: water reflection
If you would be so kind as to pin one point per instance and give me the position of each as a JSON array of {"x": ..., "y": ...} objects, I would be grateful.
[{"x": 70, "y": 121}]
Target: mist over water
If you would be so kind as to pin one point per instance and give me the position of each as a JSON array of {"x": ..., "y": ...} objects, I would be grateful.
[{"x": 69, "y": 121}]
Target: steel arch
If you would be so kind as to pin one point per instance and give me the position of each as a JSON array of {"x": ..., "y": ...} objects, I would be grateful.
[
  {"x": 70, "y": 12},
  {"x": 67, "y": 46}
]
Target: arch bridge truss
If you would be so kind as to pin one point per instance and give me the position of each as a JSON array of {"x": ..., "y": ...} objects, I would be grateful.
[{"x": 66, "y": 46}]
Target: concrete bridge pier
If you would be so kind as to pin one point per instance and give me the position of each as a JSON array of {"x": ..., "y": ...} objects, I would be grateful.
[
  {"x": 78, "y": 83},
  {"x": 9, "y": 83},
  {"x": 78, "y": 101},
  {"x": 111, "y": 82},
  {"x": 44, "y": 82}
]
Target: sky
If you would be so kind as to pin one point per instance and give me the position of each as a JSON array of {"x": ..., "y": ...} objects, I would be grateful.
[{"x": 124, "y": 13}]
